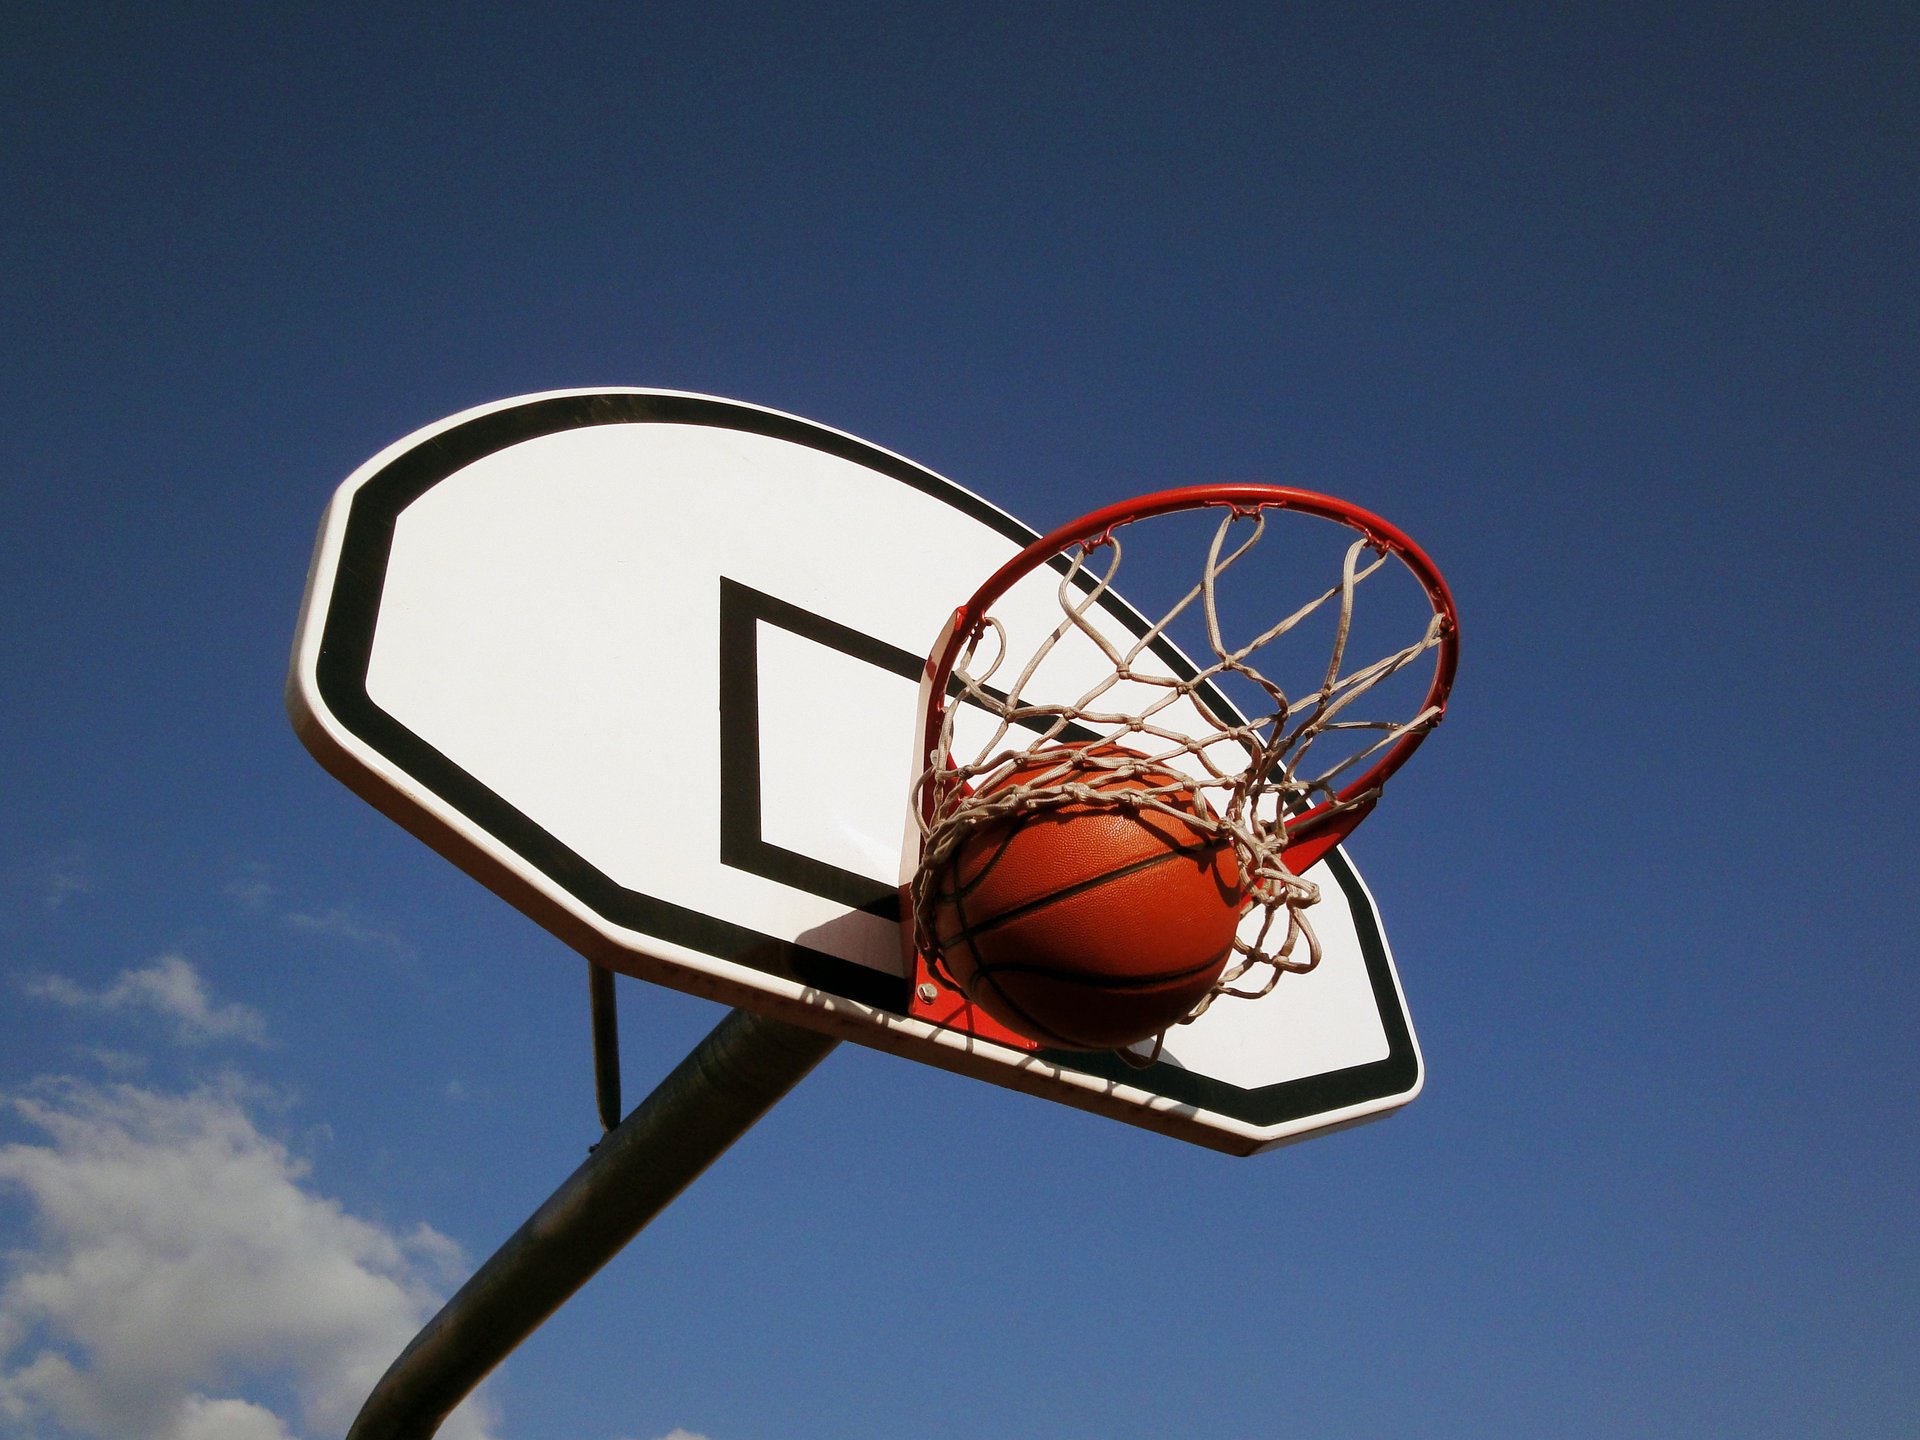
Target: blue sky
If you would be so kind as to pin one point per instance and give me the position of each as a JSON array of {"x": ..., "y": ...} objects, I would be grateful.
[{"x": 1612, "y": 306}]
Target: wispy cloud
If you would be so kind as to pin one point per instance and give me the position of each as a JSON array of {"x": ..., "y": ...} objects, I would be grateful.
[
  {"x": 182, "y": 1262},
  {"x": 171, "y": 988},
  {"x": 342, "y": 923},
  {"x": 250, "y": 888},
  {"x": 114, "y": 1062},
  {"x": 59, "y": 878}
]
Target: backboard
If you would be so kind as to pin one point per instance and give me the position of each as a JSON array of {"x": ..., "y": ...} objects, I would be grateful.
[{"x": 646, "y": 664}]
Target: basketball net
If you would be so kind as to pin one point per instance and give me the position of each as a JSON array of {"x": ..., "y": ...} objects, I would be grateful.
[{"x": 1255, "y": 774}]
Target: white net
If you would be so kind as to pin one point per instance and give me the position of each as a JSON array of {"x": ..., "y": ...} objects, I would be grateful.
[{"x": 1149, "y": 734}]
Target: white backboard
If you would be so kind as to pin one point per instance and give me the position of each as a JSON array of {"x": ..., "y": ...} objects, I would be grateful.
[{"x": 646, "y": 664}]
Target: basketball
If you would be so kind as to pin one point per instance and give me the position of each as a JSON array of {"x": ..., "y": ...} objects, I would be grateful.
[{"x": 1092, "y": 924}]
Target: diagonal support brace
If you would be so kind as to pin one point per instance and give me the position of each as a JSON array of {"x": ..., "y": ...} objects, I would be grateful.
[{"x": 713, "y": 1097}]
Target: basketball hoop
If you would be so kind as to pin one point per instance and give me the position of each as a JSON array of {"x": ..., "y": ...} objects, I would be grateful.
[{"x": 1282, "y": 786}]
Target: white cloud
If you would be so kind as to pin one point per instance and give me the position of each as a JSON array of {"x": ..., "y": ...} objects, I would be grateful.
[
  {"x": 169, "y": 987},
  {"x": 183, "y": 1276},
  {"x": 114, "y": 1062},
  {"x": 203, "y": 1419},
  {"x": 60, "y": 877},
  {"x": 344, "y": 924},
  {"x": 250, "y": 888}
]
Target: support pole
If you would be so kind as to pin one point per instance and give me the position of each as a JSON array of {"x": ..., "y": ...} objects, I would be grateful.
[
  {"x": 606, "y": 1044},
  {"x": 713, "y": 1097}
]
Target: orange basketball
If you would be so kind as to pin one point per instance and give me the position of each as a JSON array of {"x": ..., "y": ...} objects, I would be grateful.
[{"x": 1087, "y": 926}]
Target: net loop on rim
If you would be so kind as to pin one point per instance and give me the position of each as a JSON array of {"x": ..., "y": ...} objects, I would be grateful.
[{"x": 1171, "y": 736}]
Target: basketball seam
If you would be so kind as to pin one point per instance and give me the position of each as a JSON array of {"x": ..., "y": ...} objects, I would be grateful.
[
  {"x": 1102, "y": 982},
  {"x": 1029, "y": 1024},
  {"x": 1052, "y": 897}
]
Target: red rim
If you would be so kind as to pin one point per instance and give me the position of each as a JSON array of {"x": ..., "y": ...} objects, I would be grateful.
[{"x": 1323, "y": 826}]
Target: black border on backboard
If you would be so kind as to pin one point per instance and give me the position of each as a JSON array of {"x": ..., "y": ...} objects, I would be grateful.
[
  {"x": 743, "y": 845},
  {"x": 352, "y": 615}
]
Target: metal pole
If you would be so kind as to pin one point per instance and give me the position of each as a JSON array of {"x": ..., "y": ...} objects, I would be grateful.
[
  {"x": 712, "y": 1098},
  {"x": 606, "y": 1044}
]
